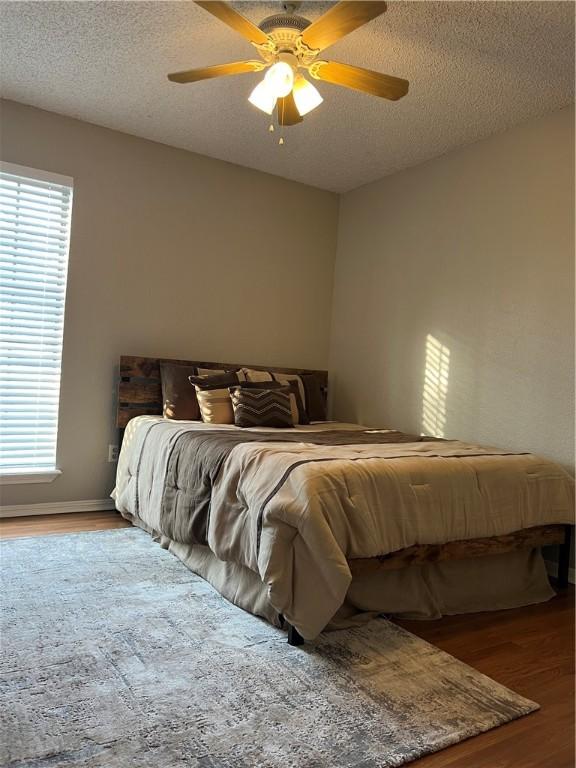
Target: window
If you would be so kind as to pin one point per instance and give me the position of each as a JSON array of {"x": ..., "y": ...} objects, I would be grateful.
[{"x": 35, "y": 211}]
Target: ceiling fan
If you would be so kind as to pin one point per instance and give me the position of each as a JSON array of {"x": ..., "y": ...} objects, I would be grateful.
[{"x": 289, "y": 44}]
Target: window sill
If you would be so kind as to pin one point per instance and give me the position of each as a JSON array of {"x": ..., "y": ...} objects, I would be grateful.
[{"x": 26, "y": 476}]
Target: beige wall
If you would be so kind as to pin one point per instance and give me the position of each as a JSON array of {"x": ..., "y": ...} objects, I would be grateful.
[
  {"x": 473, "y": 251},
  {"x": 178, "y": 255},
  {"x": 173, "y": 255}
]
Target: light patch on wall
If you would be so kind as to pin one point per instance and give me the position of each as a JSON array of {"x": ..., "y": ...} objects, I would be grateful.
[{"x": 435, "y": 387}]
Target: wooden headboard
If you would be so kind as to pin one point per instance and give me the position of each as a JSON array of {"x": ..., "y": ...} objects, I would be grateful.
[{"x": 140, "y": 390}]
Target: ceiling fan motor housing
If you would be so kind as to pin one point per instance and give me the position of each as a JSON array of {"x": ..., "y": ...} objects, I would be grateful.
[
  {"x": 284, "y": 29},
  {"x": 288, "y": 21}
]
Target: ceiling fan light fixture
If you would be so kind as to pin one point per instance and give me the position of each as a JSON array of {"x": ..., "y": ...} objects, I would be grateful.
[
  {"x": 280, "y": 79},
  {"x": 306, "y": 96},
  {"x": 263, "y": 98}
]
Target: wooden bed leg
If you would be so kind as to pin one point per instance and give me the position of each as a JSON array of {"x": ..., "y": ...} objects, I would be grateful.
[
  {"x": 294, "y": 637},
  {"x": 564, "y": 558}
]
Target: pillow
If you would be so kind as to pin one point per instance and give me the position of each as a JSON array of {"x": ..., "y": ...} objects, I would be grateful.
[
  {"x": 178, "y": 397},
  {"x": 214, "y": 398},
  {"x": 284, "y": 378},
  {"x": 216, "y": 380},
  {"x": 315, "y": 400},
  {"x": 253, "y": 375},
  {"x": 308, "y": 385},
  {"x": 213, "y": 371},
  {"x": 299, "y": 415},
  {"x": 261, "y": 407}
]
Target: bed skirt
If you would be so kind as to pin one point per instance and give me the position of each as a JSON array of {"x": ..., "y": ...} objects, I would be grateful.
[{"x": 430, "y": 591}]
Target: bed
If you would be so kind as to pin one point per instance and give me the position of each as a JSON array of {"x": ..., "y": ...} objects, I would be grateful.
[{"x": 326, "y": 524}]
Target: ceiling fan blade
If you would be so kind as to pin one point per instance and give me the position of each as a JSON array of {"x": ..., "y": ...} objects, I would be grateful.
[
  {"x": 232, "y": 18},
  {"x": 234, "y": 68},
  {"x": 375, "y": 83},
  {"x": 287, "y": 111},
  {"x": 340, "y": 20}
]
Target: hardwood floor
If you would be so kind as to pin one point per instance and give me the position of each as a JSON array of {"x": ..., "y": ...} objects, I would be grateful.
[
  {"x": 44, "y": 525},
  {"x": 531, "y": 650}
]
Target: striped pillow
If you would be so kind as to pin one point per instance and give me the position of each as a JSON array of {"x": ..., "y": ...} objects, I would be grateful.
[
  {"x": 261, "y": 408},
  {"x": 214, "y": 397},
  {"x": 299, "y": 415},
  {"x": 284, "y": 378}
]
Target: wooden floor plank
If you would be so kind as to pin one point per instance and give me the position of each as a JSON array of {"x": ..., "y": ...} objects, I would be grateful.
[
  {"x": 531, "y": 650},
  {"x": 45, "y": 525}
]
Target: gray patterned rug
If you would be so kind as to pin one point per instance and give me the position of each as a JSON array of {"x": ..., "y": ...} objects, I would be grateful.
[{"x": 115, "y": 655}]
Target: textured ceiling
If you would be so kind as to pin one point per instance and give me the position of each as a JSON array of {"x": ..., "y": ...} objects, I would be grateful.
[{"x": 474, "y": 68}]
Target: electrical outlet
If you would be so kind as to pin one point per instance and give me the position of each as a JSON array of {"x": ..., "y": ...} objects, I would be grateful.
[{"x": 112, "y": 453}]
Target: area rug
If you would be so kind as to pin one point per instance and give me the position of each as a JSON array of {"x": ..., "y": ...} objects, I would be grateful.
[{"x": 115, "y": 655}]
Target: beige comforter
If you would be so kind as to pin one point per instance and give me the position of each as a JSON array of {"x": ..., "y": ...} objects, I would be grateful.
[{"x": 295, "y": 513}]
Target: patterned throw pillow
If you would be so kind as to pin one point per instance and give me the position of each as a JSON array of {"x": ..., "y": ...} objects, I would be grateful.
[
  {"x": 261, "y": 407},
  {"x": 287, "y": 379},
  {"x": 214, "y": 397},
  {"x": 299, "y": 415}
]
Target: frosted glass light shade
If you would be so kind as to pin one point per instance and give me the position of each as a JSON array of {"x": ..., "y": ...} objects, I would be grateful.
[
  {"x": 263, "y": 97},
  {"x": 306, "y": 96},
  {"x": 280, "y": 79}
]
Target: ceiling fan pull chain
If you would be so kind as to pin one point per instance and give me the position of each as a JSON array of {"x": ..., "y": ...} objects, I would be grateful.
[{"x": 280, "y": 121}]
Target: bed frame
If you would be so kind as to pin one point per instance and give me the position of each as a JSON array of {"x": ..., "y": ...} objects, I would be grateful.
[{"x": 140, "y": 393}]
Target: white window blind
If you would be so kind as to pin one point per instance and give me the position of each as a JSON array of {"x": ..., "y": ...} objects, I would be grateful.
[{"x": 35, "y": 211}]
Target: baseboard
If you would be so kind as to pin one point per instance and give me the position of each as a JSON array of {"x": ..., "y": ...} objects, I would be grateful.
[
  {"x": 552, "y": 569},
  {"x": 57, "y": 508}
]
